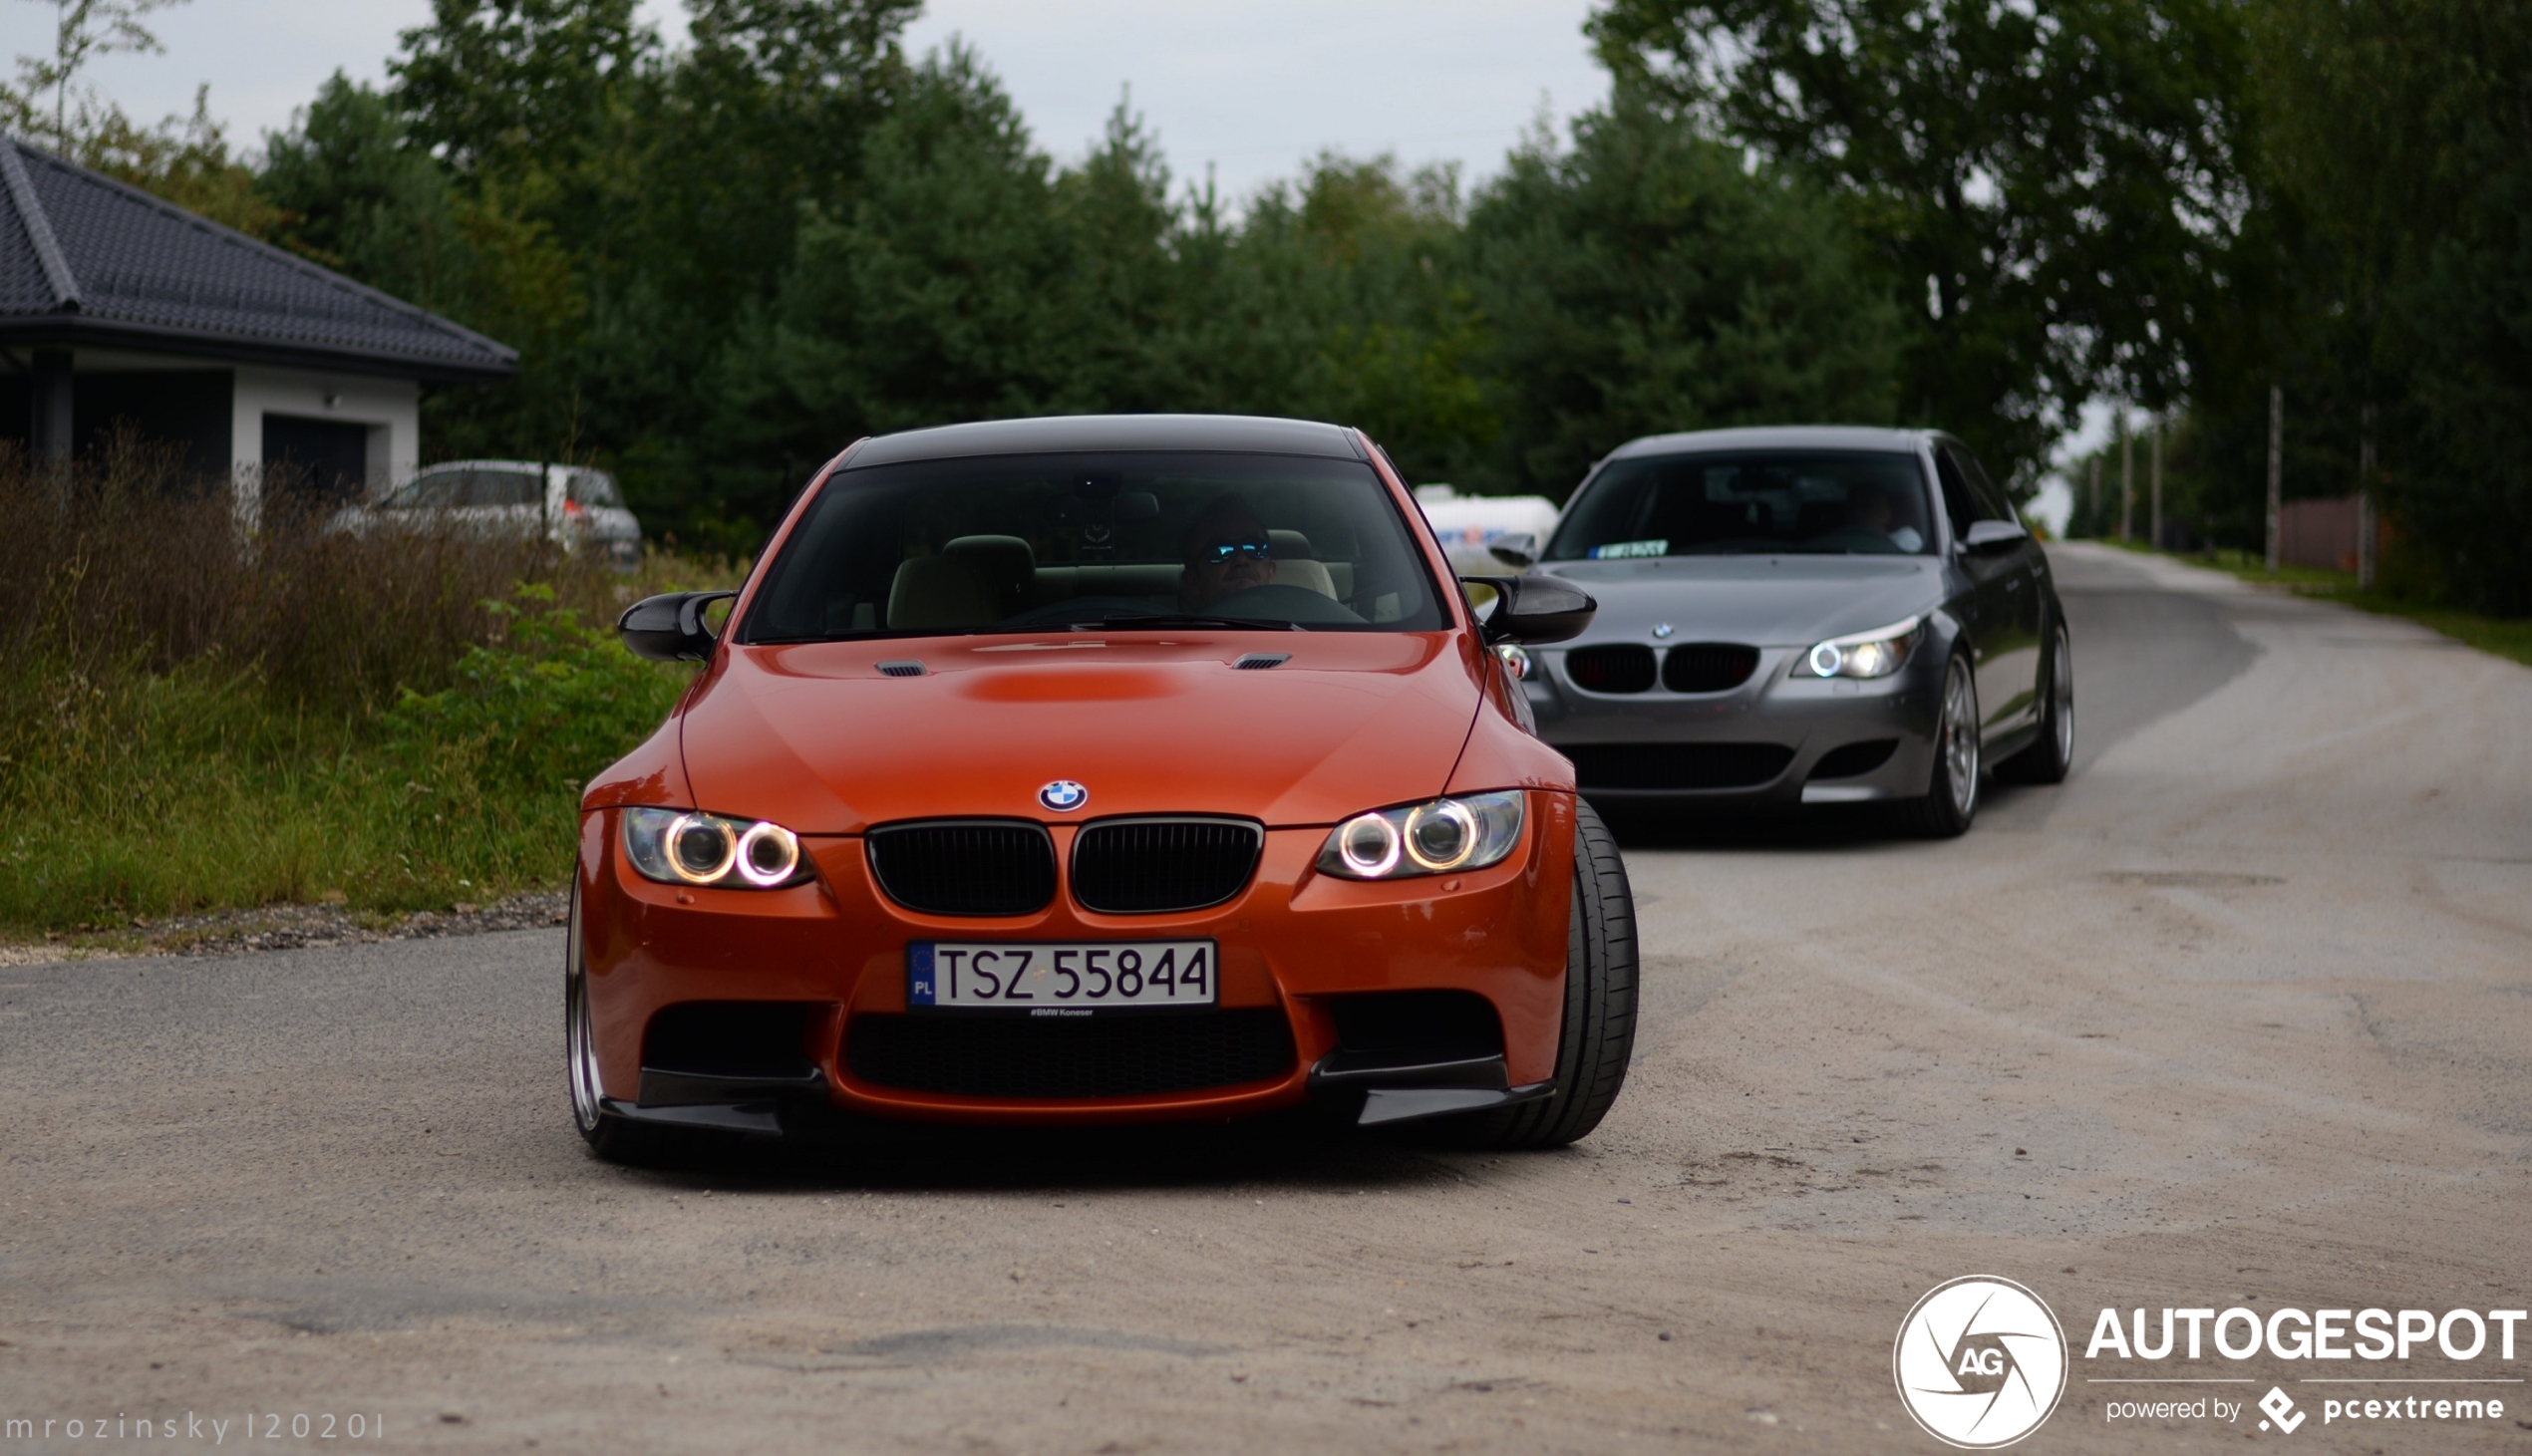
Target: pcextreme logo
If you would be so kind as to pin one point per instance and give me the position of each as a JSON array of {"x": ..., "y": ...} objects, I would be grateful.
[{"x": 1980, "y": 1362}]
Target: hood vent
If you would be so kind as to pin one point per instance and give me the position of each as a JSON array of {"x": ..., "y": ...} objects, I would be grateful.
[
  {"x": 901, "y": 669},
  {"x": 1257, "y": 661}
]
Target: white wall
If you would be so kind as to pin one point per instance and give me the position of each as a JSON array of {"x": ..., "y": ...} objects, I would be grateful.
[{"x": 391, "y": 407}]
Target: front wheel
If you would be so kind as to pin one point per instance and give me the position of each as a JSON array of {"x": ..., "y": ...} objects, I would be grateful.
[
  {"x": 616, "y": 1139},
  {"x": 1598, "y": 1035},
  {"x": 1951, "y": 798},
  {"x": 2052, "y": 755}
]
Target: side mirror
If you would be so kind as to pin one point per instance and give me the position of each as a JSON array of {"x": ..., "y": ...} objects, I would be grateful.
[
  {"x": 1532, "y": 609},
  {"x": 1994, "y": 535},
  {"x": 670, "y": 628},
  {"x": 1516, "y": 549}
]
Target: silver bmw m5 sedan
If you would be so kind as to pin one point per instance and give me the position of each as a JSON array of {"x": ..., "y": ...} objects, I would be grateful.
[{"x": 1804, "y": 615}]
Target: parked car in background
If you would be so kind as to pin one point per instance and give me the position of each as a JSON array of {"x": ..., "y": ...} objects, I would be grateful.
[
  {"x": 1469, "y": 526},
  {"x": 1804, "y": 615},
  {"x": 572, "y": 505}
]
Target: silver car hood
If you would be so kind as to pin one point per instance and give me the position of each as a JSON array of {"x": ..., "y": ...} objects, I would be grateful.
[{"x": 1764, "y": 601}]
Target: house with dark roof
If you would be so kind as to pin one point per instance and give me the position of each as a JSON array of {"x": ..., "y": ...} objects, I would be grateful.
[{"x": 118, "y": 308}]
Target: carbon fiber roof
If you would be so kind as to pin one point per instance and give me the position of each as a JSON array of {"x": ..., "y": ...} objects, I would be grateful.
[{"x": 86, "y": 259}]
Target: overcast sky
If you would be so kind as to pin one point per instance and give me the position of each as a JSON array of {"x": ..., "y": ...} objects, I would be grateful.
[{"x": 1250, "y": 87}]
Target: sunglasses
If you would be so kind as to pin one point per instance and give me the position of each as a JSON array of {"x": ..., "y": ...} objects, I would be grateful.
[{"x": 1220, "y": 554}]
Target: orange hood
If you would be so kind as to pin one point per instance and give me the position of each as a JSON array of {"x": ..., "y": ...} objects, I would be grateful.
[{"x": 816, "y": 737}]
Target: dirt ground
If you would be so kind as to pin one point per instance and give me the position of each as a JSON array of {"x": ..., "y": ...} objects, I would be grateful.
[{"x": 2242, "y": 1014}]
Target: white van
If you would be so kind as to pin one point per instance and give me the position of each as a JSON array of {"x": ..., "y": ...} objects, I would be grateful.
[{"x": 1470, "y": 526}]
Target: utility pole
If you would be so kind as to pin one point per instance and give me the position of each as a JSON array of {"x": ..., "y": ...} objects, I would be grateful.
[
  {"x": 2276, "y": 470},
  {"x": 2126, "y": 476},
  {"x": 2093, "y": 502},
  {"x": 2364, "y": 503},
  {"x": 2156, "y": 540}
]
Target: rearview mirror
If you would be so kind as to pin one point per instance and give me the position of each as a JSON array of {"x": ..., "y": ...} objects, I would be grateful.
[
  {"x": 670, "y": 628},
  {"x": 1532, "y": 609},
  {"x": 1516, "y": 549},
  {"x": 1989, "y": 535}
]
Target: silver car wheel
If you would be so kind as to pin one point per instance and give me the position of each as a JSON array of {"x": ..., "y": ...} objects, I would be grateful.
[
  {"x": 1960, "y": 738},
  {"x": 2062, "y": 695},
  {"x": 581, "y": 1047}
]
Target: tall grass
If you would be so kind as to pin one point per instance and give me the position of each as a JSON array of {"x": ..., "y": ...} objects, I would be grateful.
[{"x": 195, "y": 715}]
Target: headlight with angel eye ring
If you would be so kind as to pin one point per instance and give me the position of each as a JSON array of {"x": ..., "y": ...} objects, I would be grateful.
[
  {"x": 1468, "y": 832},
  {"x": 1874, "y": 654},
  {"x": 686, "y": 847}
]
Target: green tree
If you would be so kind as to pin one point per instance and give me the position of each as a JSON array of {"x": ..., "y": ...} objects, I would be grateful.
[
  {"x": 1645, "y": 281},
  {"x": 2052, "y": 187}
]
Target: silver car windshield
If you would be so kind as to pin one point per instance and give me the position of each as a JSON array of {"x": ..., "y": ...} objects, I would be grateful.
[
  {"x": 1862, "y": 502},
  {"x": 1107, "y": 542}
]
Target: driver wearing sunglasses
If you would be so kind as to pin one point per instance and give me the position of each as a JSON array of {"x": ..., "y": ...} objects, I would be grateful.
[{"x": 1226, "y": 550}]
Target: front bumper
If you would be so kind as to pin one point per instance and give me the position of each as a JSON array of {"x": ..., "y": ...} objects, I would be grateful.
[
  {"x": 1782, "y": 731},
  {"x": 1293, "y": 943}
]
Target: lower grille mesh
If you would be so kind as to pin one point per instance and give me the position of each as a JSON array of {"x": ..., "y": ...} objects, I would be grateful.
[
  {"x": 1148, "y": 866},
  {"x": 1099, "y": 1056},
  {"x": 1676, "y": 766},
  {"x": 965, "y": 866}
]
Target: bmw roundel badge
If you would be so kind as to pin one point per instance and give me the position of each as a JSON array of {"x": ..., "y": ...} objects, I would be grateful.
[{"x": 1064, "y": 795}]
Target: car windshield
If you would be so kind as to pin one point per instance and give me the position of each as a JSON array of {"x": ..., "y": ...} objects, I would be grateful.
[
  {"x": 1870, "y": 502},
  {"x": 1017, "y": 544}
]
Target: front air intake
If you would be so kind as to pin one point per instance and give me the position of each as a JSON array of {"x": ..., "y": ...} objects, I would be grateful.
[
  {"x": 1676, "y": 766},
  {"x": 965, "y": 866},
  {"x": 1154, "y": 866},
  {"x": 1092, "y": 1057}
]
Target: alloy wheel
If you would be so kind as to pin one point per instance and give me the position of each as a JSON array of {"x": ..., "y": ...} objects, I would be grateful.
[
  {"x": 2061, "y": 693},
  {"x": 580, "y": 1049},
  {"x": 1960, "y": 740}
]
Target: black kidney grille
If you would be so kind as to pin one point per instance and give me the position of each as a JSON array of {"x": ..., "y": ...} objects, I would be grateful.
[
  {"x": 1676, "y": 766},
  {"x": 1148, "y": 866},
  {"x": 1619, "y": 668},
  {"x": 1096, "y": 1057},
  {"x": 1708, "y": 666},
  {"x": 965, "y": 866}
]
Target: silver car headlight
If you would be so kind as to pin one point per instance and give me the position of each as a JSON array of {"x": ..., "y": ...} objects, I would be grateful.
[
  {"x": 1468, "y": 832},
  {"x": 1874, "y": 654},
  {"x": 684, "y": 847}
]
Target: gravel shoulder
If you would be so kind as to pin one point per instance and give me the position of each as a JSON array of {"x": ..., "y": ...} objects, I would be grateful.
[{"x": 2240, "y": 1013}]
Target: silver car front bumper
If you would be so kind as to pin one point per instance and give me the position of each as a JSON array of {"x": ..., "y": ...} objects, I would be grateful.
[{"x": 1768, "y": 736}]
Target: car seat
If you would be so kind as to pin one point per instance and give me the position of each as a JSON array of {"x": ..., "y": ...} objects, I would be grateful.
[
  {"x": 1295, "y": 566},
  {"x": 942, "y": 592},
  {"x": 1006, "y": 563}
]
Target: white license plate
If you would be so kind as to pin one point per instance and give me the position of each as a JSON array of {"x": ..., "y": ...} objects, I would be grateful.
[{"x": 1065, "y": 978}]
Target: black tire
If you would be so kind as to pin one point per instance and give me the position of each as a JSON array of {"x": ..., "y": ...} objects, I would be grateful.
[
  {"x": 2052, "y": 755},
  {"x": 1598, "y": 1035},
  {"x": 615, "y": 1139},
  {"x": 1950, "y": 804}
]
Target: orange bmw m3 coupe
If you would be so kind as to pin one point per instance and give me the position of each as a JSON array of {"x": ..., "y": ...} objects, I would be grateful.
[{"x": 1099, "y": 770}]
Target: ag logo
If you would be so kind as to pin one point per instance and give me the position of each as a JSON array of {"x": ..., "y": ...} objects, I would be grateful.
[
  {"x": 1980, "y": 1362},
  {"x": 1064, "y": 795}
]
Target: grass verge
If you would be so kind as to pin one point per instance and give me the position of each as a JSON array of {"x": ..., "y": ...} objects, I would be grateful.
[
  {"x": 2506, "y": 637},
  {"x": 198, "y": 719}
]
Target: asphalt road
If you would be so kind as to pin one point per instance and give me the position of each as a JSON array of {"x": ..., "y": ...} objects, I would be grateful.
[{"x": 2240, "y": 1014}]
